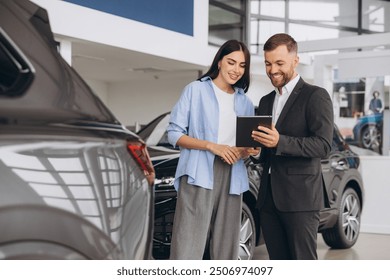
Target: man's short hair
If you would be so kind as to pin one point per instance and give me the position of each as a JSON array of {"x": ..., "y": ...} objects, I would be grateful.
[{"x": 280, "y": 39}]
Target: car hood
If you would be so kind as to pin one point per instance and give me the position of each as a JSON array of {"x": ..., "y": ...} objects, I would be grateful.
[{"x": 371, "y": 118}]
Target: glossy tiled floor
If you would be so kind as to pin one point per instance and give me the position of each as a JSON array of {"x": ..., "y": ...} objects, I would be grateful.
[{"x": 368, "y": 247}]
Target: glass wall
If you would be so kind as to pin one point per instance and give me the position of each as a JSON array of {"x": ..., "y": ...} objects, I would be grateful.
[
  {"x": 227, "y": 20},
  {"x": 316, "y": 19},
  {"x": 254, "y": 21},
  {"x": 359, "y": 106}
]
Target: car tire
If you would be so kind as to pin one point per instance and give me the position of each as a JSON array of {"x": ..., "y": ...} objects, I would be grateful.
[
  {"x": 370, "y": 137},
  {"x": 247, "y": 234},
  {"x": 346, "y": 231}
]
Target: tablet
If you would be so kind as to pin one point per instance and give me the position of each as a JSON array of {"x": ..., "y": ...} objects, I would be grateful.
[{"x": 245, "y": 126}]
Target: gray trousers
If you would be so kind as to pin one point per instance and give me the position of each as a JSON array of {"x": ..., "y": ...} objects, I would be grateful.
[{"x": 201, "y": 213}]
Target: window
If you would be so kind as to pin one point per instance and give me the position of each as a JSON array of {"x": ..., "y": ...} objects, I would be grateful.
[
  {"x": 309, "y": 20},
  {"x": 227, "y": 20}
]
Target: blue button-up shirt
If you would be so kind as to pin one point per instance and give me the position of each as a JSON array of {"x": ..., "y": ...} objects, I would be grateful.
[{"x": 196, "y": 114}]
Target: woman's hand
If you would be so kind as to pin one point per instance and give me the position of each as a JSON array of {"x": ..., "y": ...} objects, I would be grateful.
[
  {"x": 246, "y": 152},
  {"x": 228, "y": 154},
  {"x": 250, "y": 152}
]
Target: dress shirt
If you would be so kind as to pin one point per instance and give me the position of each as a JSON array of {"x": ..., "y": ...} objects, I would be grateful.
[{"x": 281, "y": 98}]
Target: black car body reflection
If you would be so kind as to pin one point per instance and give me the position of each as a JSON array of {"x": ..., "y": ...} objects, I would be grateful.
[
  {"x": 339, "y": 224},
  {"x": 75, "y": 184}
]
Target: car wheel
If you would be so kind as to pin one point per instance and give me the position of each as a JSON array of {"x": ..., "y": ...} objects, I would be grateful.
[
  {"x": 247, "y": 234},
  {"x": 346, "y": 231},
  {"x": 370, "y": 137}
]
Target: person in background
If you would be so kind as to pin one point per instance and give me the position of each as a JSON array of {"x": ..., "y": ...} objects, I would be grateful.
[
  {"x": 375, "y": 103},
  {"x": 211, "y": 175},
  {"x": 291, "y": 190}
]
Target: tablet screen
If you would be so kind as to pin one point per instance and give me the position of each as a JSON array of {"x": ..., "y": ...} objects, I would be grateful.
[{"x": 245, "y": 126}]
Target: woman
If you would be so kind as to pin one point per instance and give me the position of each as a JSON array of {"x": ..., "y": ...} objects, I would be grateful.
[{"x": 211, "y": 175}]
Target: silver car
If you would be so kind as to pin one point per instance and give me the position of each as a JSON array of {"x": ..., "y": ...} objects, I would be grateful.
[{"x": 75, "y": 184}]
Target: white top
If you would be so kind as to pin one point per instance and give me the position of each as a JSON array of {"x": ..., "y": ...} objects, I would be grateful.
[{"x": 227, "y": 117}]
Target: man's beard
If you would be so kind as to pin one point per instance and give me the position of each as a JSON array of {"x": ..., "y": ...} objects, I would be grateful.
[{"x": 280, "y": 82}]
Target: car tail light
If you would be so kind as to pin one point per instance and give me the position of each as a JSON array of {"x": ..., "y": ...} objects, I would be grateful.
[{"x": 140, "y": 153}]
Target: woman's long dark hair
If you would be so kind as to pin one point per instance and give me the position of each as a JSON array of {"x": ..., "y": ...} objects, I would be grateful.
[{"x": 227, "y": 48}]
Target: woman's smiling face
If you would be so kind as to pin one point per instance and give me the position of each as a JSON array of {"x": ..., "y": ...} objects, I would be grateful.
[{"x": 232, "y": 67}]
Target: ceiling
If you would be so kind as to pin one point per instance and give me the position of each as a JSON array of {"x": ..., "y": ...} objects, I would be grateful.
[{"x": 112, "y": 64}]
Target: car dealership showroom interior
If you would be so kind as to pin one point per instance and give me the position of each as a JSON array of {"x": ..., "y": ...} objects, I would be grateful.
[{"x": 86, "y": 91}]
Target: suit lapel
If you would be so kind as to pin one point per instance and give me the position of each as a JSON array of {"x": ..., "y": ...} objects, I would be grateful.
[
  {"x": 290, "y": 101},
  {"x": 271, "y": 102}
]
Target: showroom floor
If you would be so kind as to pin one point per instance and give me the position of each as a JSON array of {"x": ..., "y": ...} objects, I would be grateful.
[{"x": 368, "y": 247}]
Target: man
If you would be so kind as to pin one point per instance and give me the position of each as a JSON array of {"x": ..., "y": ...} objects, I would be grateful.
[
  {"x": 376, "y": 103},
  {"x": 291, "y": 189}
]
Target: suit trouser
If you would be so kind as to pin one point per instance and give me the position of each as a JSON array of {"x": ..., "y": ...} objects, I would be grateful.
[
  {"x": 288, "y": 235},
  {"x": 201, "y": 213}
]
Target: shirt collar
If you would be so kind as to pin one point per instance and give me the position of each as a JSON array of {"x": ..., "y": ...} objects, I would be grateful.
[{"x": 288, "y": 88}]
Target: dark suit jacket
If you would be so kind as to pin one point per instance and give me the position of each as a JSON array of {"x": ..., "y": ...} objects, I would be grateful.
[{"x": 305, "y": 126}]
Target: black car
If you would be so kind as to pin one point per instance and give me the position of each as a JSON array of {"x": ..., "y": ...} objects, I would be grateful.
[
  {"x": 75, "y": 184},
  {"x": 339, "y": 224}
]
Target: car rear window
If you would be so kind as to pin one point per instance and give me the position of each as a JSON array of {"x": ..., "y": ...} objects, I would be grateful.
[{"x": 15, "y": 72}]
